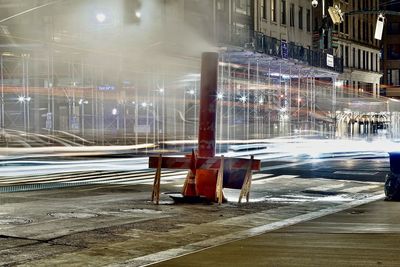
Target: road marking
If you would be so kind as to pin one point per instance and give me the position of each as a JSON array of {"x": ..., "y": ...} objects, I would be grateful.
[
  {"x": 165, "y": 255},
  {"x": 84, "y": 178},
  {"x": 267, "y": 179},
  {"x": 257, "y": 176},
  {"x": 326, "y": 187},
  {"x": 289, "y": 165},
  {"x": 356, "y": 173}
]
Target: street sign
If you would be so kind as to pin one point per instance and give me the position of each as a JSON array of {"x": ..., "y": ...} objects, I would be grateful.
[
  {"x": 379, "y": 27},
  {"x": 330, "y": 61}
]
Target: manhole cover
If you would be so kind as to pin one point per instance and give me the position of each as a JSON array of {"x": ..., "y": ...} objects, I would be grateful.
[
  {"x": 357, "y": 212},
  {"x": 14, "y": 221},
  {"x": 72, "y": 215}
]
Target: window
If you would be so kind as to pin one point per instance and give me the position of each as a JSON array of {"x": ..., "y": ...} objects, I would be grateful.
[
  {"x": 364, "y": 61},
  {"x": 273, "y": 10},
  {"x": 372, "y": 61},
  {"x": 393, "y": 51},
  {"x": 308, "y": 18},
  {"x": 365, "y": 31},
  {"x": 393, "y": 77},
  {"x": 243, "y": 7},
  {"x": 300, "y": 17},
  {"x": 359, "y": 59},
  {"x": 341, "y": 51},
  {"x": 291, "y": 15},
  {"x": 264, "y": 9},
  {"x": 393, "y": 28},
  {"x": 283, "y": 12},
  {"x": 346, "y": 56},
  {"x": 221, "y": 5},
  {"x": 341, "y": 27},
  {"x": 354, "y": 57}
]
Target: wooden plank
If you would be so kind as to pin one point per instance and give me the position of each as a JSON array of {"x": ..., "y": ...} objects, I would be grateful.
[
  {"x": 204, "y": 163},
  {"x": 157, "y": 181},
  {"x": 170, "y": 163},
  {"x": 245, "y": 191},
  {"x": 220, "y": 180}
]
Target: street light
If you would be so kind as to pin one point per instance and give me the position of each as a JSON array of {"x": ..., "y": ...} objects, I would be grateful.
[
  {"x": 314, "y": 3},
  {"x": 336, "y": 14},
  {"x": 101, "y": 17}
]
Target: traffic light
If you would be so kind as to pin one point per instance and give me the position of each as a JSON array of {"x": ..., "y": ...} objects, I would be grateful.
[
  {"x": 131, "y": 11},
  {"x": 335, "y": 39}
]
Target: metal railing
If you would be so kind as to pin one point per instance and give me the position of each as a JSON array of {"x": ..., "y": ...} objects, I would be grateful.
[{"x": 264, "y": 44}]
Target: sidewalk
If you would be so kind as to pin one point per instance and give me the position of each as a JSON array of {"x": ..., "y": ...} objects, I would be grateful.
[{"x": 368, "y": 235}]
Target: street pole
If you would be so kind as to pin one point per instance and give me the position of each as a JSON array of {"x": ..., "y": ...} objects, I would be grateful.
[{"x": 2, "y": 95}]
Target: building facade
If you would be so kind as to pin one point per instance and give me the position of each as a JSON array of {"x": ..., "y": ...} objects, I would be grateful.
[
  {"x": 391, "y": 54},
  {"x": 99, "y": 73},
  {"x": 353, "y": 41},
  {"x": 287, "y": 20}
]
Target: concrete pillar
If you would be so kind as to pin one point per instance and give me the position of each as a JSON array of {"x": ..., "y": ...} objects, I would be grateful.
[{"x": 374, "y": 90}]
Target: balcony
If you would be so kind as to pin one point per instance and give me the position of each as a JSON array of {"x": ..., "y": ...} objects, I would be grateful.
[{"x": 261, "y": 43}]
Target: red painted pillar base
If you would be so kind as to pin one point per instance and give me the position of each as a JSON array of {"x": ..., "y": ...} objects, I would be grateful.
[
  {"x": 206, "y": 183},
  {"x": 206, "y": 180}
]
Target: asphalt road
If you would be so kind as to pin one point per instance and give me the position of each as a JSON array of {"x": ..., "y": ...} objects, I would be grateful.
[
  {"x": 105, "y": 218},
  {"x": 356, "y": 169}
]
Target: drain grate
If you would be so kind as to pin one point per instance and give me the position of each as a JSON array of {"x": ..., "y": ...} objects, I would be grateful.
[{"x": 40, "y": 186}]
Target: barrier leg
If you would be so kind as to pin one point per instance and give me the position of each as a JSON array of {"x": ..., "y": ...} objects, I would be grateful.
[
  {"x": 245, "y": 191},
  {"x": 220, "y": 182},
  {"x": 156, "y": 184},
  {"x": 189, "y": 187}
]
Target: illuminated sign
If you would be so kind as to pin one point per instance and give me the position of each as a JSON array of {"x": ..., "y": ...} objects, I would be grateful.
[{"x": 106, "y": 87}]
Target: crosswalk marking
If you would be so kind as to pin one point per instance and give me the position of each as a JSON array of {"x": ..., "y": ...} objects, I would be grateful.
[
  {"x": 359, "y": 188},
  {"x": 261, "y": 175},
  {"x": 327, "y": 187},
  {"x": 24, "y": 183},
  {"x": 146, "y": 176}
]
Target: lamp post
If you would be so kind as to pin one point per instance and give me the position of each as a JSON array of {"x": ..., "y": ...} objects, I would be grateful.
[
  {"x": 220, "y": 97},
  {"x": 82, "y": 104},
  {"x": 2, "y": 94}
]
